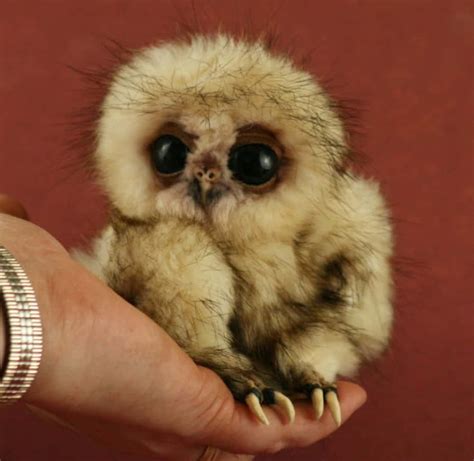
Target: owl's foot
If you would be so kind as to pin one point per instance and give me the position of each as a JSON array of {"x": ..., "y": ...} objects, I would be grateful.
[
  {"x": 247, "y": 385},
  {"x": 267, "y": 396},
  {"x": 324, "y": 393}
]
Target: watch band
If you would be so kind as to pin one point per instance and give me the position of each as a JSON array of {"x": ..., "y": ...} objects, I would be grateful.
[{"x": 23, "y": 329}]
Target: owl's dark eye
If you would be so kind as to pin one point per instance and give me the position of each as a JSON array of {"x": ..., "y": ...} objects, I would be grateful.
[
  {"x": 168, "y": 154},
  {"x": 253, "y": 164}
]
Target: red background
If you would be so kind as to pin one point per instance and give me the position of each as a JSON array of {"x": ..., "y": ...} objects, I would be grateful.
[{"x": 409, "y": 64}]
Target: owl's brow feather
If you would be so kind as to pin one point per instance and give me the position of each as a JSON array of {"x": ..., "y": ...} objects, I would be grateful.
[
  {"x": 147, "y": 89},
  {"x": 281, "y": 92}
]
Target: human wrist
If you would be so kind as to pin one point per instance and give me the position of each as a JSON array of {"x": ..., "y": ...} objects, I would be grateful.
[
  {"x": 22, "y": 324},
  {"x": 36, "y": 252}
]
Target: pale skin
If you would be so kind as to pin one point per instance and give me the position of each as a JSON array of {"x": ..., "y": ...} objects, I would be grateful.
[{"x": 110, "y": 372}]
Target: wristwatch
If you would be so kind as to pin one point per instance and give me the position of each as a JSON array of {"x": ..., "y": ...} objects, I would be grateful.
[{"x": 24, "y": 334}]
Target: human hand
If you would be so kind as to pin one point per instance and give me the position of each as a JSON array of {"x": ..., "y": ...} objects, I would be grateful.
[{"x": 112, "y": 373}]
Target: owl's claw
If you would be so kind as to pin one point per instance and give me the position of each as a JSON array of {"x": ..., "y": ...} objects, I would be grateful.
[
  {"x": 317, "y": 398},
  {"x": 253, "y": 402},
  {"x": 334, "y": 407},
  {"x": 328, "y": 394},
  {"x": 256, "y": 397},
  {"x": 283, "y": 402}
]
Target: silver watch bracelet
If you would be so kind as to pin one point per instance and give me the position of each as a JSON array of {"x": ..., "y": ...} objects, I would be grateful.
[{"x": 24, "y": 343}]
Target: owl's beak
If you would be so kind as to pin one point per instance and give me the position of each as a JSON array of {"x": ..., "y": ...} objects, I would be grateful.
[{"x": 204, "y": 189}]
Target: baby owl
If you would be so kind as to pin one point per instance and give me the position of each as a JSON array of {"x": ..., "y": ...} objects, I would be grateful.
[{"x": 236, "y": 224}]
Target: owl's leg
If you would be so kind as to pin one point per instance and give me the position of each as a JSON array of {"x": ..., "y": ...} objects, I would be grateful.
[{"x": 246, "y": 384}]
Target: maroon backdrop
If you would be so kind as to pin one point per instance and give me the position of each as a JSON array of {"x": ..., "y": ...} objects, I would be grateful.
[{"x": 409, "y": 64}]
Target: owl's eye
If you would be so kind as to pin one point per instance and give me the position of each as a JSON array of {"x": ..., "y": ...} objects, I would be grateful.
[
  {"x": 253, "y": 164},
  {"x": 168, "y": 154}
]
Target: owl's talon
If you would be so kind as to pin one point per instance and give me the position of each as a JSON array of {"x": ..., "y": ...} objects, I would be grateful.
[
  {"x": 320, "y": 393},
  {"x": 253, "y": 402},
  {"x": 334, "y": 407},
  {"x": 283, "y": 402},
  {"x": 317, "y": 398}
]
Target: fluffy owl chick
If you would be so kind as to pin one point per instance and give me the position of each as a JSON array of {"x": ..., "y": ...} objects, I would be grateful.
[{"x": 235, "y": 223}]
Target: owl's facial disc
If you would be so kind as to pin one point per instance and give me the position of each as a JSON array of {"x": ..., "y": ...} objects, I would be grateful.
[
  {"x": 251, "y": 166},
  {"x": 207, "y": 170}
]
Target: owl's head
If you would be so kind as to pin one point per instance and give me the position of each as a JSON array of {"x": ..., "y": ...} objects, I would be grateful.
[{"x": 218, "y": 131}]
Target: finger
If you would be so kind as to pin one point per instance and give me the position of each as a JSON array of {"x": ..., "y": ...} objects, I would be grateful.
[
  {"x": 239, "y": 432},
  {"x": 12, "y": 207}
]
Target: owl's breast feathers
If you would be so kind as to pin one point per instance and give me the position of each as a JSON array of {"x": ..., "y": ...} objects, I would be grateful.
[{"x": 262, "y": 294}]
